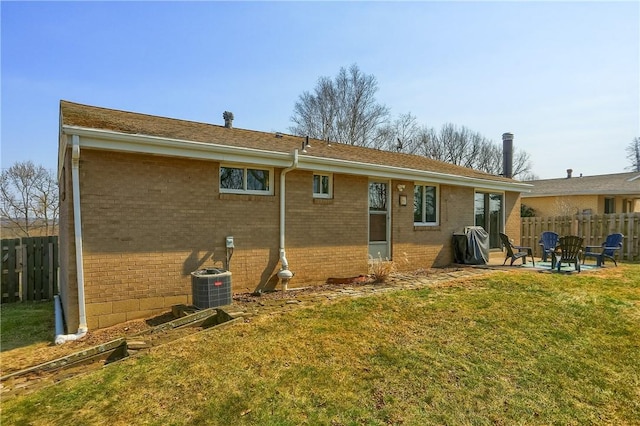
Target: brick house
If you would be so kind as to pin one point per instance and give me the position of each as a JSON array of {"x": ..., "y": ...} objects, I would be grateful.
[
  {"x": 598, "y": 194},
  {"x": 146, "y": 200}
]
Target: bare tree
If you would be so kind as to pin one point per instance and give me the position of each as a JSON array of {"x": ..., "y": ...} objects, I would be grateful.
[
  {"x": 489, "y": 158},
  {"x": 29, "y": 199},
  {"x": 464, "y": 147},
  {"x": 529, "y": 176},
  {"x": 429, "y": 144},
  {"x": 565, "y": 207},
  {"x": 343, "y": 110},
  {"x": 522, "y": 165},
  {"x": 401, "y": 135},
  {"x": 633, "y": 155},
  {"x": 454, "y": 143}
]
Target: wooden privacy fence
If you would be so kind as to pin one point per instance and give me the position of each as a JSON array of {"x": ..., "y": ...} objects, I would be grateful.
[
  {"x": 29, "y": 269},
  {"x": 593, "y": 228}
]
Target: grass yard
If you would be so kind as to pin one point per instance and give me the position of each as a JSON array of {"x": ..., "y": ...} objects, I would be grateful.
[
  {"x": 24, "y": 324},
  {"x": 507, "y": 348}
]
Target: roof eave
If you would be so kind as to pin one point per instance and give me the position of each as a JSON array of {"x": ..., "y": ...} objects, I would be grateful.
[
  {"x": 401, "y": 173},
  {"x": 146, "y": 144},
  {"x": 591, "y": 193},
  {"x": 137, "y": 143}
]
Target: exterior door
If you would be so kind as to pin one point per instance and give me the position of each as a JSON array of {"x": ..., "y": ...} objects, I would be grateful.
[
  {"x": 379, "y": 220},
  {"x": 489, "y": 215}
]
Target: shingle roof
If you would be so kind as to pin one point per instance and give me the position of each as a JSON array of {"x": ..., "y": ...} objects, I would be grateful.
[
  {"x": 613, "y": 184},
  {"x": 85, "y": 116}
]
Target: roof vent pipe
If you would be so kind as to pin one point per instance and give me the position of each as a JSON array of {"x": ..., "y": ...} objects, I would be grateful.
[
  {"x": 228, "y": 119},
  {"x": 507, "y": 155},
  {"x": 569, "y": 172}
]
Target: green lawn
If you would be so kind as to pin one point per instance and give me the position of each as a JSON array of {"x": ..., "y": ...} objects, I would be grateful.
[
  {"x": 506, "y": 348},
  {"x": 23, "y": 324}
]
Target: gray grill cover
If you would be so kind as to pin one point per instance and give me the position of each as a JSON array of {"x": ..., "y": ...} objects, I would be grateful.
[{"x": 472, "y": 247}]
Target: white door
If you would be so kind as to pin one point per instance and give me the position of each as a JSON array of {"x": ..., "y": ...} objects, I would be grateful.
[{"x": 379, "y": 220}]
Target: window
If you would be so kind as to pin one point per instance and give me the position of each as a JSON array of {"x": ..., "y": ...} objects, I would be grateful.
[
  {"x": 425, "y": 205},
  {"x": 245, "y": 180},
  {"x": 322, "y": 186},
  {"x": 609, "y": 205}
]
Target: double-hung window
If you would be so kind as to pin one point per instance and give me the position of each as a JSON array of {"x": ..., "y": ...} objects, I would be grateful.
[
  {"x": 322, "y": 185},
  {"x": 609, "y": 205},
  {"x": 246, "y": 180},
  {"x": 425, "y": 204}
]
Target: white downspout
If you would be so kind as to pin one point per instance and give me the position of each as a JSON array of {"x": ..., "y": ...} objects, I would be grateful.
[
  {"x": 285, "y": 274},
  {"x": 77, "y": 221}
]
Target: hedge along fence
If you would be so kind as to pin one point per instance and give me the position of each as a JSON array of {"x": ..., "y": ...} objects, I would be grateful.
[
  {"x": 29, "y": 269},
  {"x": 593, "y": 228}
]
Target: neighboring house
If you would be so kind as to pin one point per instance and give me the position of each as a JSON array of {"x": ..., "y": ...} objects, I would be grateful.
[
  {"x": 601, "y": 194},
  {"x": 146, "y": 200}
]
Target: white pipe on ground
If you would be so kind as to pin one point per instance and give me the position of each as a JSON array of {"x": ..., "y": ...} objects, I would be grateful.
[
  {"x": 77, "y": 222},
  {"x": 63, "y": 338},
  {"x": 285, "y": 274}
]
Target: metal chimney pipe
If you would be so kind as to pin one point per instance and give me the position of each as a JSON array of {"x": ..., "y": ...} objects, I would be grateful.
[
  {"x": 228, "y": 119},
  {"x": 507, "y": 155}
]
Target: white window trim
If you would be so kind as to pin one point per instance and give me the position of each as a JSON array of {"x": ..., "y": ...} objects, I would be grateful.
[
  {"x": 320, "y": 195},
  {"x": 437, "y": 221},
  {"x": 245, "y": 191}
]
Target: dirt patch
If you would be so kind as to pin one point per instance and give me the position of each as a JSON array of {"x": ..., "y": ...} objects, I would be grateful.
[
  {"x": 24, "y": 357},
  {"x": 335, "y": 285}
]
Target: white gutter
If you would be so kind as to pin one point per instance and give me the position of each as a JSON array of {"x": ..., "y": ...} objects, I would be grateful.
[
  {"x": 77, "y": 221},
  {"x": 127, "y": 142},
  {"x": 285, "y": 274},
  {"x": 401, "y": 173},
  {"x": 116, "y": 141}
]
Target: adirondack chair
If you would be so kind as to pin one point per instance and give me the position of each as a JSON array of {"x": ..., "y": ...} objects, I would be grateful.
[
  {"x": 604, "y": 251},
  {"x": 515, "y": 252},
  {"x": 548, "y": 242},
  {"x": 568, "y": 250}
]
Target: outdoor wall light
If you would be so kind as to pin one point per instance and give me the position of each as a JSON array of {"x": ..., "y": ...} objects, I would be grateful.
[{"x": 400, "y": 187}]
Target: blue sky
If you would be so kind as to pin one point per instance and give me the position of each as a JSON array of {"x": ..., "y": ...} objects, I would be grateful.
[{"x": 563, "y": 77}]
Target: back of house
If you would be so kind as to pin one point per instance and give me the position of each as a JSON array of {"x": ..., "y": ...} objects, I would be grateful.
[{"x": 147, "y": 200}]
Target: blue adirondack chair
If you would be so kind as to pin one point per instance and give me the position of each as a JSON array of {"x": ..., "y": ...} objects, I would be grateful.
[
  {"x": 548, "y": 242},
  {"x": 604, "y": 251}
]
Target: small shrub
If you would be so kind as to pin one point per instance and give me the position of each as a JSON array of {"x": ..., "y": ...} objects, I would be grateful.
[
  {"x": 380, "y": 269},
  {"x": 526, "y": 211}
]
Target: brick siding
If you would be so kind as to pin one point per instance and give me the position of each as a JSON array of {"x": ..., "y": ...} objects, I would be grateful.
[
  {"x": 428, "y": 246},
  {"x": 149, "y": 221}
]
